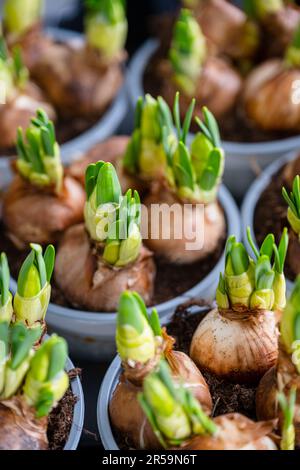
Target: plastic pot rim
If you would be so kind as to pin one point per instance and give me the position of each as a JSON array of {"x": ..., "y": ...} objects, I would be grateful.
[
  {"x": 254, "y": 193},
  {"x": 135, "y": 88},
  {"x": 78, "y": 414}
]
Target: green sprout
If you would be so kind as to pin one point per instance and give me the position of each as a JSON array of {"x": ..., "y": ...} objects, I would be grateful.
[
  {"x": 253, "y": 284},
  {"x": 145, "y": 154},
  {"x": 290, "y": 321},
  {"x": 33, "y": 292},
  {"x": 187, "y": 52},
  {"x": 106, "y": 26},
  {"x": 172, "y": 411},
  {"x": 287, "y": 406},
  {"x": 292, "y": 53},
  {"x": 16, "y": 351},
  {"x": 136, "y": 330},
  {"x": 262, "y": 8},
  {"x": 21, "y": 15},
  {"x": 6, "y": 308},
  {"x": 13, "y": 74},
  {"x": 39, "y": 154},
  {"x": 195, "y": 173},
  {"x": 293, "y": 202},
  {"x": 46, "y": 381},
  {"x": 110, "y": 218}
]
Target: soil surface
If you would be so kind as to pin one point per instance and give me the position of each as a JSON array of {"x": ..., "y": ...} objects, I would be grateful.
[
  {"x": 61, "y": 418},
  {"x": 271, "y": 215}
]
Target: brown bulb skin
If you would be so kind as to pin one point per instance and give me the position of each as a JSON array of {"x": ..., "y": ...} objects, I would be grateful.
[
  {"x": 33, "y": 215},
  {"x": 19, "y": 428},
  {"x": 89, "y": 283}
]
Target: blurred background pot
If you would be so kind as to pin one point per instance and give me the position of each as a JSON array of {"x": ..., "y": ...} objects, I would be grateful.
[
  {"x": 91, "y": 335},
  {"x": 243, "y": 160},
  {"x": 107, "y": 125},
  {"x": 253, "y": 195}
]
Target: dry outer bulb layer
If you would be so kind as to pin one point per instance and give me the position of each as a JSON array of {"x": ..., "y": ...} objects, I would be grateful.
[
  {"x": 19, "y": 429},
  {"x": 18, "y": 112},
  {"x": 235, "y": 432},
  {"x": 82, "y": 89},
  {"x": 89, "y": 283},
  {"x": 281, "y": 379},
  {"x": 238, "y": 346},
  {"x": 217, "y": 88},
  {"x": 34, "y": 215},
  {"x": 175, "y": 250},
  {"x": 111, "y": 150},
  {"x": 271, "y": 97},
  {"x": 131, "y": 422}
]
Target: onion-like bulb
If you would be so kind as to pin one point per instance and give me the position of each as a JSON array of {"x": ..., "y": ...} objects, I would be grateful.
[
  {"x": 208, "y": 220},
  {"x": 235, "y": 432},
  {"x": 274, "y": 87},
  {"x": 36, "y": 215},
  {"x": 238, "y": 339},
  {"x": 88, "y": 282},
  {"x": 238, "y": 346},
  {"x": 20, "y": 429}
]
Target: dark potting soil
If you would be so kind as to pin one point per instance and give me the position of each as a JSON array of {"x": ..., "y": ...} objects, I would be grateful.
[
  {"x": 233, "y": 126},
  {"x": 61, "y": 418},
  {"x": 270, "y": 214},
  {"x": 171, "y": 280}
]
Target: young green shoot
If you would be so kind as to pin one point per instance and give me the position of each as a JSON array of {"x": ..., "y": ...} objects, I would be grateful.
[
  {"x": 39, "y": 154},
  {"x": 253, "y": 284},
  {"x": 290, "y": 322},
  {"x": 6, "y": 308},
  {"x": 106, "y": 26},
  {"x": 111, "y": 219},
  {"x": 16, "y": 351},
  {"x": 137, "y": 332},
  {"x": 172, "y": 411},
  {"x": 293, "y": 202},
  {"x": 33, "y": 291},
  {"x": 287, "y": 406},
  {"x": 145, "y": 154},
  {"x": 13, "y": 74},
  {"x": 187, "y": 52},
  {"x": 19, "y": 16},
  {"x": 262, "y": 8},
  {"x": 195, "y": 173},
  {"x": 46, "y": 381},
  {"x": 292, "y": 54}
]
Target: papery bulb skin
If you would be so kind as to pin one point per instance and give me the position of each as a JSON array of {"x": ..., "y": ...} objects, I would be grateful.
[
  {"x": 110, "y": 150},
  {"x": 88, "y": 282},
  {"x": 175, "y": 250},
  {"x": 228, "y": 28},
  {"x": 235, "y": 432},
  {"x": 20, "y": 429},
  {"x": 217, "y": 87},
  {"x": 18, "y": 111},
  {"x": 38, "y": 216},
  {"x": 76, "y": 91},
  {"x": 266, "y": 401},
  {"x": 274, "y": 87},
  {"x": 237, "y": 346}
]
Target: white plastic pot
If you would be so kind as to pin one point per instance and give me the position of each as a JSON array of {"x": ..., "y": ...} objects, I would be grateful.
[
  {"x": 253, "y": 195},
  {"x": 241, "y": 158},
  {"x": 91, "y": 335},
  {"x": 78, "y": 415},
  {"x": 104, "y": 128}
]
